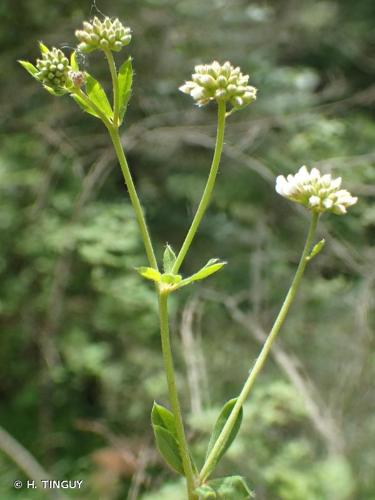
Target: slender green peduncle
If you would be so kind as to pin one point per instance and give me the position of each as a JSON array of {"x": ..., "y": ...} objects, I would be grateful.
[
  {"x": 222, "y": 439},
  {"x": 207, "y": 190},
  {"x": 115, "y": 88},
  {"x": 173, "y": 395},
  {"x": 133, "y": 197}
]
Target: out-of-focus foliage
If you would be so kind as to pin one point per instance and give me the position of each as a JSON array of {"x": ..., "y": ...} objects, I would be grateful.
[{"x": 80, "y": 361}]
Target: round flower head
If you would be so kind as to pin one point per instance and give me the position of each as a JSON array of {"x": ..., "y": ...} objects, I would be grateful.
[
  {"x": 319, "y": 193},
  {"x": 216, "y": 82},
  {"x": 53, "y": 69},
  {"x": 103, "y": 35}
]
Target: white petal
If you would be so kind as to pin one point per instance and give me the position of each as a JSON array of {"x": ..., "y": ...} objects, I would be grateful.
[
  {"x": 327, "y": 203},
  {"x": 314, "y": 201},
  {"x": 336, "y": 183}
]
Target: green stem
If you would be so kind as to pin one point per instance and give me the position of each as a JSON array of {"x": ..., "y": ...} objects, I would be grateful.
[
  {"x": 207, "y": 190},
  {"x": 114, "y": 133},
  {"x": 112, "y": 68},
  {"x": 173, "y": 395},
  {"x": 222, "y": 439}
]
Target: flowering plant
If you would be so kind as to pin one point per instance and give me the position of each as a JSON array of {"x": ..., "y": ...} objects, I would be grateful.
[{"x": 227, "y": 87}]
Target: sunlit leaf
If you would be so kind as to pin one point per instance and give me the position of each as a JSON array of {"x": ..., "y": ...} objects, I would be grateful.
[
  {"x": 149, "y": 273},
  {"x": 316, "y": 249},
  {"x": 81, "y": 102},
  {"x": 30, "y": 68},
  {"x": 43, "y": 48},
  {"x": 98, "y": 96},
  {"x": 125, "y": 78}
]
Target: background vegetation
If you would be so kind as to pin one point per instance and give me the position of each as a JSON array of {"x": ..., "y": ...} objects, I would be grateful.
[{"x": 80, "y": 358}]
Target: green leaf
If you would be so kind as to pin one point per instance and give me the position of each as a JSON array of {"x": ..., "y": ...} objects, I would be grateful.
[
  {"x": 97, "y": 95},
  {"x": 168, "y": 448},
  {"x": 43, "y": 48},
  {"x": 205, "y": 492},
  {"x": 125, "y": 78},
  {"x": 30, "y": 68},
  {"x": 163, "y": 417},
  {"x": 171, "y": 279},
  {"x": 169, "y": 258},
  {"x": 316, "y": 249},
  {"x": 212, "y": 266},
  {"x": 84, "y": 105},
  {"x": 225, "y": 488},
  {"x": 206, "y": 271},
  {"x": 73, "y": 61},
  {"x": 149, "y": 273},
  {"x": 220, "y": 422}
]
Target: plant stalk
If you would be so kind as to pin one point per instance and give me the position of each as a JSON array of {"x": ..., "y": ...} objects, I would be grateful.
[
  {"x": 207, "y": 190},
  {"x": 222, "y": 439},
  {"x": 173, "y": 395},
  {"x": 114, "y": 133}
]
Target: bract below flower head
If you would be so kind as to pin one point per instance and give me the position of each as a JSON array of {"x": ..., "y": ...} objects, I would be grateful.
[
  {"x": 103, "y": 35},
  {"x": 319, "y": 193},
  {"x": 216, "y": 82}
]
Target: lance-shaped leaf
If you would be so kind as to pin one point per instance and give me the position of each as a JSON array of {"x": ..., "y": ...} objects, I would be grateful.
[
  {"x": 149, "y": 273},
  {"x": 30, "y": 68},
  {"x": 164, "y": 418},
  {"x": 212, "y": 266},
  {"x": 225, "y": 488},
  {"x": 73, "y": 61},
  {"x": 82, "y": 104},
  {"x": 168, "y": 448},
  {"x": 43, "y": 48},
  {"x": 169, "y": 258},
  {"x": 316, "y": 249},
  {"x": 125, "y": 78},
  {"x": 219, "y": 425},
  {"x": 98, "y": 96},
  {"x": 163, "y": 424}
]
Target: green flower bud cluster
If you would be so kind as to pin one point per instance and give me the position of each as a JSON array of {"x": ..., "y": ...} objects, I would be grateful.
[
  {"x": 216, "y": 82},
  {"x": 53, "y": 69},
  {"x": 103, "y": 35}
]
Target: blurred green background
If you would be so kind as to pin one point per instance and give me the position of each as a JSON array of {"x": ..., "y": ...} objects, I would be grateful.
[{"x": 80, "y": 361}]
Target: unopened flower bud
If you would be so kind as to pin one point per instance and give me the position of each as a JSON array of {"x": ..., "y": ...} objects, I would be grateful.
[
  {"x": 53, "y": 69},
  {"x": 103, "y": 35}
]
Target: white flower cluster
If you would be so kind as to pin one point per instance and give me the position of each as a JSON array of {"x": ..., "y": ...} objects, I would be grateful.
[
  {"x": 216, "y": 82},
  {"x": 103, "y": 35},
  {"x": 319, "y": 193}
]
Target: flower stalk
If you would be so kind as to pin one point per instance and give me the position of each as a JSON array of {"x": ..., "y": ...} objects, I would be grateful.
[
  {"x": 207, "y": 193},
  {"x": 260, "y": 362}
]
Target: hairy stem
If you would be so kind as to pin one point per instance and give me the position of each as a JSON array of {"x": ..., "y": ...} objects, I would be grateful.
[
  {"x": 112, "y": 68},
  {"x": 207, "y": 190},
  {"x": 113, "y": 131},
  {"x": 223, "y": 437},
  {"x": 173, "y": 395}
]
